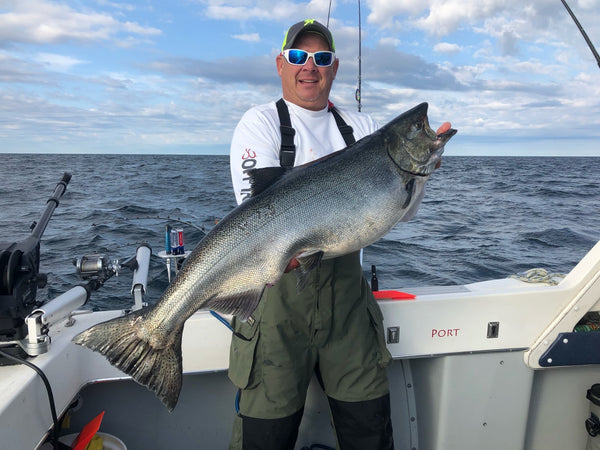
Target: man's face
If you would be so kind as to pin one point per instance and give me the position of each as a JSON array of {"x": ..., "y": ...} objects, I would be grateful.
[{"x": 307, "y": 86}]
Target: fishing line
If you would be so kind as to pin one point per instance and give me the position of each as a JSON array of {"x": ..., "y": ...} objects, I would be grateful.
[
  {"x": 39, "y": 371},
  {"x": 172, "y": 219}
]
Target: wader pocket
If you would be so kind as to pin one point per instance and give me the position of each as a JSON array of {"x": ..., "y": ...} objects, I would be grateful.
[
  {"x": 377, "y": 322},
  {"x": 242, "y": 353}
]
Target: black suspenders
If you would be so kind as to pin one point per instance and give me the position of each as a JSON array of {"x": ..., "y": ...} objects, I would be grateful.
[
  {"x": 345, "y": 129},
  {"x": 287, "y": 153}
]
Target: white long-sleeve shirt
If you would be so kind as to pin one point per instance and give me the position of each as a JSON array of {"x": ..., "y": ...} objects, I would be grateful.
[{"x": 256, "y": 140}]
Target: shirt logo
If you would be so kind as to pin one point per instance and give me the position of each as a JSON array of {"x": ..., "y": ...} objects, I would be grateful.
[
  {"x": 248, "y": 163},
  {"x": 249, "y": 154}
]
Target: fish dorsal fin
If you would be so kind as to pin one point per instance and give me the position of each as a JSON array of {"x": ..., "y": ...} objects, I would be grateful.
[
  {"x": 308, "y": 261},
  {"x": 261, "y": 179},
  {"x": 241, "y": 305}
]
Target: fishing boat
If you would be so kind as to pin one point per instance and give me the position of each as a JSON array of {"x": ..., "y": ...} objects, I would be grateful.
[
  {"x": 511, "y": 363},
  {"x": 501, "y": 364}
]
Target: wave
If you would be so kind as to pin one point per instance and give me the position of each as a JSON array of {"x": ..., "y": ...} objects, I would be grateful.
[{"x": 481, "y": 218}]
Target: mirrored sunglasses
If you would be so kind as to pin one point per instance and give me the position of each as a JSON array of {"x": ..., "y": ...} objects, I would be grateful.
[{"x": 299, "y": 57}]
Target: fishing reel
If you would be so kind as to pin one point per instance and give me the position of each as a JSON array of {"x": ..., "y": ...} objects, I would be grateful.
[{"x": 97, "y": 268}]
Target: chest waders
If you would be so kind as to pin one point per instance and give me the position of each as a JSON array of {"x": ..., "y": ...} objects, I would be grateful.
[{"x": 333, "y": 328}]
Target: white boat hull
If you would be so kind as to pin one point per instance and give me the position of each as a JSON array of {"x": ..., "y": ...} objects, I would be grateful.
[{"x": 457, "y": 382}]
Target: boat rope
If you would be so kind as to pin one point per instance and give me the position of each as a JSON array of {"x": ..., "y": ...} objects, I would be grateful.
[{"x": 538, "y": 275}]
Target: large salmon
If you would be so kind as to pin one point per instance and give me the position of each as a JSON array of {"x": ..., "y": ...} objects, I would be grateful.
[{"x": 325, "y": 209}]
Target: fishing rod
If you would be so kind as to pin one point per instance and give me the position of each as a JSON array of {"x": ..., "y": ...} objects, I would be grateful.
[
  {"x": 584, "y": 34},
  {"x": 357, "y": 95}
]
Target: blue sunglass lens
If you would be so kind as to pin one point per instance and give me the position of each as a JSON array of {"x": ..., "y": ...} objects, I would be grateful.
[
  {"x": 323, "y": 58},
  {"x": 297, "y": 56}
]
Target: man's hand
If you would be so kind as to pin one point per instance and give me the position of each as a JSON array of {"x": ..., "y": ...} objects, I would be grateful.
[{"x": 443, "y": 128}]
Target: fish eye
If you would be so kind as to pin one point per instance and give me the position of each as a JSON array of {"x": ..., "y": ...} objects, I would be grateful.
[
  {"x": 415, "y": 130},
  {"x": 416, "y": 126}
]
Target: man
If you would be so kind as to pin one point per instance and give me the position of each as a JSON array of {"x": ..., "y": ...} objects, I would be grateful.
[{"x": 333, "y": 327}]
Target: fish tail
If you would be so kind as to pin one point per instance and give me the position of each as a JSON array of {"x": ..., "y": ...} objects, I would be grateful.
[{"x": 158, "y": 367}]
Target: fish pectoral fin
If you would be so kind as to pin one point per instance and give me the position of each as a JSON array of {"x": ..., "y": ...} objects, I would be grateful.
[
  {"x": 241, "y": 305},
  {"x": 308, "y": 261}
]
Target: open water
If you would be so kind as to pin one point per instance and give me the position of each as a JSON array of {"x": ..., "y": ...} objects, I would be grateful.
[{"x": 482, "y": 217}]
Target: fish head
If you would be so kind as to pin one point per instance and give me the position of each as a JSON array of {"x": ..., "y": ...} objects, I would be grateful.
[{"x": 411, "y": 143}]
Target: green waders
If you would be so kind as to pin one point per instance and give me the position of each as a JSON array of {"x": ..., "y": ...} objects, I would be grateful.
[{"x": 333, "y": 326}]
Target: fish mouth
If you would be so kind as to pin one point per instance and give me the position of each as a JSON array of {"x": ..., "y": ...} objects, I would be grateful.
[
  {"x": 439, "y": 144},
  {"x": 446, "y": 135},
  {"x": 426, "y": 167}
]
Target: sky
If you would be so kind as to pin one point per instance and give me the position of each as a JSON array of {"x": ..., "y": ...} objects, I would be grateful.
[{"x": 157, "y": 77}]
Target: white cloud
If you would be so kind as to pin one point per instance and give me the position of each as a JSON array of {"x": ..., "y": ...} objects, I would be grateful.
[
  {"x": 383, "y": 12},
  {"x": 493, "y": 17},
  {"x": 447, "y": 48},
  {"x": 524, "y": 70},
  {"x": 267, "y": 10},
  {"x": 56, "y": 62},
  {"x": 245, "y": 10},
  {"x": 588, "y": 4},
  {"x": 250, "y": 37},
  {"x": 390, "y": 41},
  {"x": 45, "y": 22},
  {"x": 445, "y": 16}
]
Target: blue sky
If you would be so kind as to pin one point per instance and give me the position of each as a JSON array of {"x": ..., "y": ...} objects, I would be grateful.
[{"x": 141, "y": 76}]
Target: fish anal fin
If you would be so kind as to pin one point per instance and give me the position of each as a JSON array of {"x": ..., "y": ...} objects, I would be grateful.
[{"x": 241, "y": 305}]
